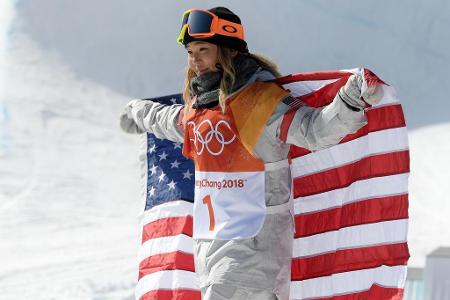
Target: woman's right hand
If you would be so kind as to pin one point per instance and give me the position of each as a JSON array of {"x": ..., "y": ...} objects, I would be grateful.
[{"x": 127, "y": 123}]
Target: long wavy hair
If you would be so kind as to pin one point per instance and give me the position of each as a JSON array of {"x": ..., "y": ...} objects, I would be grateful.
[{"x": 225, "y": 59}]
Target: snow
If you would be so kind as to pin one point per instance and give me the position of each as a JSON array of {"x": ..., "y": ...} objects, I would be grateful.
[
  {"x": 69, "y": 190},
  {"x": 69, "y": 178},
  {"x": 429, "y": 191}
]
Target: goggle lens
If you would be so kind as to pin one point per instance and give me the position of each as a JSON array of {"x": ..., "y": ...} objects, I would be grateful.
[{"x": 198, "y": 22}]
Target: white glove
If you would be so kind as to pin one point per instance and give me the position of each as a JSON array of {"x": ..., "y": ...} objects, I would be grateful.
[
  {"x": 352, "y": 96},
  {"x": 127, "y": 123}
]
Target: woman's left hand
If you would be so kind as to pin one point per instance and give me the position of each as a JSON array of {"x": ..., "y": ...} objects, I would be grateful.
[
  {"x": 373, "y": 94},
  {"x": 355, "y": 95}
]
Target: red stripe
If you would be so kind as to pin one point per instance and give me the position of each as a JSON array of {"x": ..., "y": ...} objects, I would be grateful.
[
  {"x": 167, "y": 227},
  {"x": 385, "y": 117},
  {"x": 310, "y": 76},
  {"x": 356, "y": 213},
  {"x": 349, "y": 260},
  {"x": 298, "y": 151},
  {"x": 376, "y": 292},
  {"x": 168, "y": 261},
  {"x": 286, "y": 123},
  {"x": 172, "y": 295},
  {"x": 325, "y": 95},
  {"x": 372, "y": 79},
  {"x": 368, "y": 167}
]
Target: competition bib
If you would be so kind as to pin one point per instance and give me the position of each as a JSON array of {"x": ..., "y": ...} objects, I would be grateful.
[
  {"x": 228, "y": 205},
  {"x": 229, "y": 201}
]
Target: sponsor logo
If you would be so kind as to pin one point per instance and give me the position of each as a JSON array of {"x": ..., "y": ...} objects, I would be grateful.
[
  {"x": 229, "y": 28},
  {"x": 212, "y": 136}
]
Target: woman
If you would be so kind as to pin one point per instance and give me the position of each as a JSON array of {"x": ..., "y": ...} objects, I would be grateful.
[{"x": 230, "y": 126}]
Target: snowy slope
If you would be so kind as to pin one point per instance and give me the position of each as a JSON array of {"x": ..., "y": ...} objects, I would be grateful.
[
  {"x": 69, "y": 194},
  {"x": 69, "y": 189},
  {"x": 429, "y": 190}
]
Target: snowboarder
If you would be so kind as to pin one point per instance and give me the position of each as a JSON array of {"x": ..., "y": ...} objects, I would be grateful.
[{"x": 230, "y": 125}]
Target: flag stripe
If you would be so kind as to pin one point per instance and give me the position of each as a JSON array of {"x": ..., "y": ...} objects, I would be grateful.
[
  {"x": 167, "y": 261},
  {"x": 381, "y": 209},
  {"x": 307, "y": 76},
  {"x": 375, "y": 292},
  {"x": 165, "y": 245},
  {"x": 379, "y": 142},
  {"x": 176, "y": 208},
  {"x": 368, "y": 167},
  {"x": 357, "y": 191},
  {"x": 349, "y": 260},
  {"x": 380, "y": 118},
  {"x": 387, "y": 232},
  {"x": 349, "y": 282},
  {"x": 178, "y": 294},
  {"x": 166, "y": 280},
  {"x": 167, "y": 227},
  {"x": 286, "y": 124}
]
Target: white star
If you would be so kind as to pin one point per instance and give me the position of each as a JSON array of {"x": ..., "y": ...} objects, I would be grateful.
[
  {"x": 176, "y": 145},
  {"x": 187, "y": 174},
  {"x": 152, "y": 149},
  {"x": 152, "y": 191},
  {"x": 175, "y": 164},
  {"x": 161, "y": 177},
  {"x": 153, "y": 169},
  {"x": 173, "y": 100},
  {"x": 163, "y": 156},
  {"x": 171, "y": 185}
]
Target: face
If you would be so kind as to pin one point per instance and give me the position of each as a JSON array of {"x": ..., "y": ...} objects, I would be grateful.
[{"x": 202, "y": 57}]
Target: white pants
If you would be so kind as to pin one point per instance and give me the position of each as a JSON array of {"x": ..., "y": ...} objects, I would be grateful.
[
  {"x": 226, "y": 292},
  {"x": 248, "y": 266}
]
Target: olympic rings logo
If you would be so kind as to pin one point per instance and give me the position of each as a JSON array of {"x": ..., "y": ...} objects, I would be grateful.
[{"x": 213, "y": 133}]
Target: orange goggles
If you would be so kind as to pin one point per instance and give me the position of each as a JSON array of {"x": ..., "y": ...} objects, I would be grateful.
[{"x": 201, "y": 23}]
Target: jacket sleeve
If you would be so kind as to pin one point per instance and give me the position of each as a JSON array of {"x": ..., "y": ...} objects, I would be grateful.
[
  {"x": 160, "y": 119},
  {"x": 315, "y": 128}
]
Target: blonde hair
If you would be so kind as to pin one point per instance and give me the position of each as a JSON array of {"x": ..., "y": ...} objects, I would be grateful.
[{"x": 225, "y": 58}]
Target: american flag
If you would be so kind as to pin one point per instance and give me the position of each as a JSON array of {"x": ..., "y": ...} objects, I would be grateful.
[{"x": 350, "y": 202}]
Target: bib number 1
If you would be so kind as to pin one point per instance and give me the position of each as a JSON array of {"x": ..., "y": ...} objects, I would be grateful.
[{"x": 212, "y": 223}]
